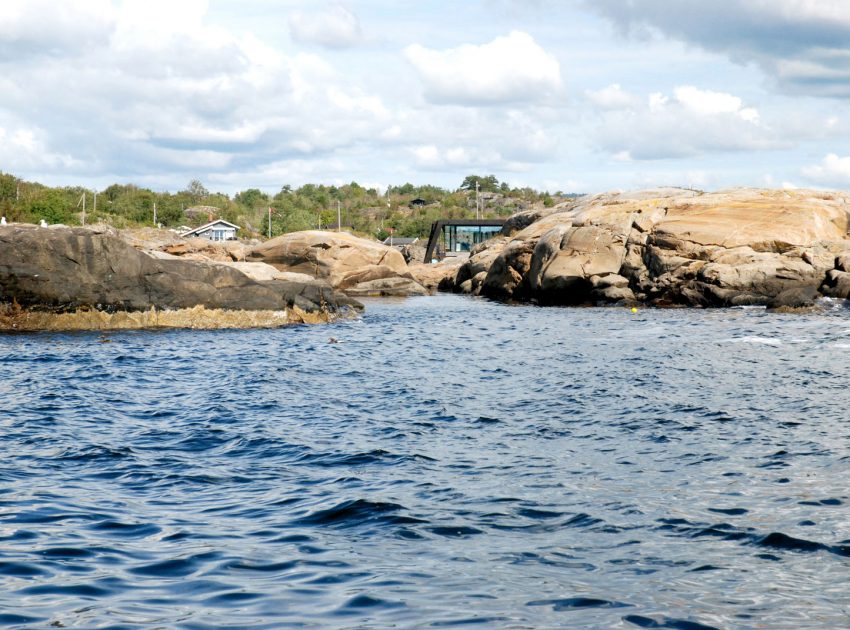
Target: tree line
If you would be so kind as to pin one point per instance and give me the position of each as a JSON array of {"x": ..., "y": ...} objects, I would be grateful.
[{"x": 405, "y": 210}]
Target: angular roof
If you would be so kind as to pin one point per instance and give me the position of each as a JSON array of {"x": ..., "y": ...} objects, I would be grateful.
[
  {"x": 206, "y": 226},
  {"x": 399, "y": 240}
]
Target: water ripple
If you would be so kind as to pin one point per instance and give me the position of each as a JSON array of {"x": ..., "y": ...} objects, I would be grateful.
[{"x": 452, "y": 462}]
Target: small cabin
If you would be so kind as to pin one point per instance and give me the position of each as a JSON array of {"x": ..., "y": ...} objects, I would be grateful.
[{"x": 218, "y": 230}]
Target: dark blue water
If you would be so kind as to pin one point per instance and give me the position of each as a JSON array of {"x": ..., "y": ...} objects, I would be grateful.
[{"x": 450, "y": 462}]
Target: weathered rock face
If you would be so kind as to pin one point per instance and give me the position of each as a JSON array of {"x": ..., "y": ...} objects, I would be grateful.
[
  {"x": 343, "y": 260},
  {"x": 433, "y": 276},
  {"x": 205, "y": 249},
  {"x": 61, "y": 271},
  {"x": 672, "y": 246}
]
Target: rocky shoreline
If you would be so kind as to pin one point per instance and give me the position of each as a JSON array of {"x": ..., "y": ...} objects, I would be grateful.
[
  {"x": 671, "y": 247},
  {"x": 76, "y": 278}
]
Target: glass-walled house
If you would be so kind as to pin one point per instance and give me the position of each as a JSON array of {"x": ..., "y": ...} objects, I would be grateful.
[
  {"x": 457, "y": 237},
  {"x": 462, "y": 238}
]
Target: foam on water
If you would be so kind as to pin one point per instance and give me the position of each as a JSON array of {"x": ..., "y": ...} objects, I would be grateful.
[{"x": 450, "y": 462}]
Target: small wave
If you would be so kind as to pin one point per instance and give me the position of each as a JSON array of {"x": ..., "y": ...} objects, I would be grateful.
[
  {"x": 363, "y": 601},
  {"x": 456, "y": 531},
  {"x": 355, "y": 513},
  {"x": 126, "y": 530},
  {"x": 376, "y": 456},
  {"x": 569, "y": 603},
  {"x": 666, "y": 622},
  {"x": 76, "y": 590},
  {"x": 175, "y": 567},
  {"x": 234, "y": 598},
  {"x": 22, "y": 570},
  {"x": 11, "y": 619},
  {"x": 729, "y": 511},
  {"x": 749, "y": 536},
  {"x": 767, "y": 341}
]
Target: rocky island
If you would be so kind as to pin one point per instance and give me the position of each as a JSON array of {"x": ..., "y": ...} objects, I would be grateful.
[
  {"x": 670, "y": 247},
  {"x": 663, "y": 247},
  {"x": 75, "y": 278}
]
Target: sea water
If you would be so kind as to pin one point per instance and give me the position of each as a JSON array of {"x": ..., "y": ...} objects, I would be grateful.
[{"x": 451, "y": 461}]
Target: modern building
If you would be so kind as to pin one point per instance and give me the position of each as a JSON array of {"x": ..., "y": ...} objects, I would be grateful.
[
  {"x": 218, "y": 230},
  {"x": 457, "y": 237}
]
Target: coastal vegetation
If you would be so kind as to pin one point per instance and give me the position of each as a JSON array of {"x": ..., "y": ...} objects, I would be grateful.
[{"x": 404, "y": 210}]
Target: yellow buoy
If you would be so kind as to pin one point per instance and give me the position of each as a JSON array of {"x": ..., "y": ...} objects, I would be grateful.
[{"x": 634, "y": 309}]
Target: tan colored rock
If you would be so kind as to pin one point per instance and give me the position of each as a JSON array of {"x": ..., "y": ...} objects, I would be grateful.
[
  {"x": 340, "y": 258},
  {"x": 506, "y": 277},
  {"x": 387, "y": 287},
  {"x": 205, "y": 249},
  {"x": 263, "y": 272},
  {"x": 674, "y": 246},
  {"x": 480, "y": 259},
  {"x": 435, "y": 275}
]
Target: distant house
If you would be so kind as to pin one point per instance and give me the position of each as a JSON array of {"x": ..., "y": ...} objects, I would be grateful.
[
  {"x": 218, "y": 230},
  {"x": 419, "y": 202},
  {"x": 399, "y": 241}
]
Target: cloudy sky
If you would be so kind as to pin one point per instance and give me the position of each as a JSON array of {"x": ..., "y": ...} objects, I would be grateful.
[{"x": 572, "y": 95}]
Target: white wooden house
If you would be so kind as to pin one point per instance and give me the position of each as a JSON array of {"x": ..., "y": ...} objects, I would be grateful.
[{"x": 218, "y": 230}]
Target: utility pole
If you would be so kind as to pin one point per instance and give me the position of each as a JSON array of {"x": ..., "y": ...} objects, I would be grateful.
[
  {"x": 95, "y": 203},
  {"x": 388, "y": 206},
  {"x": 154, "y": 214},
  {"x": 83, "y": 202},
  {"x": 338, "y": 217},
  {"x": 17, "y": 192},
  {"x": 477, "y": 202},
  {"x": 270, "y": 221}
]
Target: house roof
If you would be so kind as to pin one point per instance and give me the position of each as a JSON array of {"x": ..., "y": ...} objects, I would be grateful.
[
  {"x": 207, "y": 226},
  {"x": 399, "y": 240}
]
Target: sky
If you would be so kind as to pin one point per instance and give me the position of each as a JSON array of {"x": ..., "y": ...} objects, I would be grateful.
[{"x": 559, "y": 95}]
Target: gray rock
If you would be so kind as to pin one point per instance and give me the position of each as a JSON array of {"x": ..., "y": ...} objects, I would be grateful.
[
  {"x": 793, "y": 299},
  {"x": 64, "y": 270}
]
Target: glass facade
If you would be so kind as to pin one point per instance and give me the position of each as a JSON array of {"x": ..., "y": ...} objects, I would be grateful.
[{"x": 462, "y": 238}]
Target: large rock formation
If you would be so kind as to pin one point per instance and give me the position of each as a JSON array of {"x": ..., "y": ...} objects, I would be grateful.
[
  {"x": 433, "y": 275},
  {"x": 51, "y": 272},
  {"x": 354, "y": 265},
  {"x": 669, "y": 247}
]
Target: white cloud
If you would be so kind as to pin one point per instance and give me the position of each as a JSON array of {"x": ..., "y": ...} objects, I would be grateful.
[
  {"x": 334, "y": 27},
  {"x": 612, "y": 97},
  {"x": 708, "y": 103},
  {"x": 43, "y": 27},
  {"x": 802, "y": 44},
  {"x": 162, "y": 90},
  {"x": 832, "y": 171},
  {"x": 691, "y": 122},
  {"x": 431, "y": 157},
  {"x": 29, "y": 147},
  {"x": 509, "y": 69}
]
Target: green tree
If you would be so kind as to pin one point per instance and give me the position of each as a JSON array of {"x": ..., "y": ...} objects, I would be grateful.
[
  {"x": 488, "y": 183},
  {"x": 49, "y": 204},
  {"x": 252, "y": 198},
  {"x": 196, "y": 191}
]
